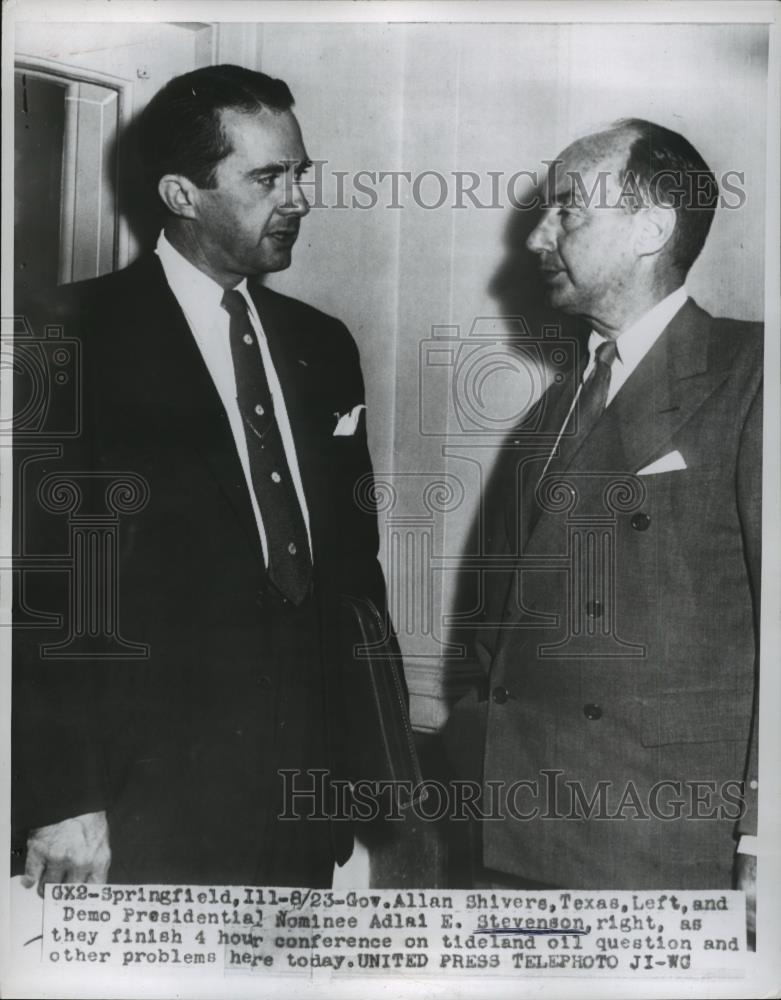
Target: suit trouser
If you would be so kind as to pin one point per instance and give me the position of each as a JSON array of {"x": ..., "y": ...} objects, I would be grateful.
[{"x": 297, "y": 850}]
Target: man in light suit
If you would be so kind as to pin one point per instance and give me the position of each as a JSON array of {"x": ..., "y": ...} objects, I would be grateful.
[
  {"x": 620, "y": 643},
  {"x": 241, "y": 412}
]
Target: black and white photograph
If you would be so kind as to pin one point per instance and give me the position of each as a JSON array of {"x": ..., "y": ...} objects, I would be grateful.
[{"x": 390, "y": 499}]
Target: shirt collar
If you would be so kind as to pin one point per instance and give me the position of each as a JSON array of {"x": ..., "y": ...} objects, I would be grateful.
[
  {"x": 635, "y": 342},
  {"x": 193, "y": 288}
]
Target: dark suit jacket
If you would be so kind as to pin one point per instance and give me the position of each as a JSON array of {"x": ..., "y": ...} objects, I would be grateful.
[
  {"x": 620, "y": 648},
  {"x": 172, "y": 744}
]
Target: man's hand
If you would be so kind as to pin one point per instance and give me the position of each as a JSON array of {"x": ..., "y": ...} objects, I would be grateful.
[
  {"x": 746, "y": 881},
  {"x": 75, "y": 850}
]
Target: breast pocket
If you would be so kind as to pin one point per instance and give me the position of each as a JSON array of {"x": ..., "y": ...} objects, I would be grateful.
[{"x": 695, "y": 716}]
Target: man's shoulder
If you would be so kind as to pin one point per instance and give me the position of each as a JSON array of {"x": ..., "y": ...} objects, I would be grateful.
[
  {"x": 140, "y": 272},
  {"x": 732, "y": 341},
  {"x": 119, "y": 293},
  {"x": 741, "y": 344},
  {"x": 730, "y": 324},
  {"x": 286, "y": 303},
  {"x": 748, "y": 332},
  {"x": 329, "y": 331}
]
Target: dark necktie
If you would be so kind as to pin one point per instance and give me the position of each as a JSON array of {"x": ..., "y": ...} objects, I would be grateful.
[
  {"x": 588, "y": 408},
  {"x": 289, "y": 560},
  {"x": 593, "y": 396}
]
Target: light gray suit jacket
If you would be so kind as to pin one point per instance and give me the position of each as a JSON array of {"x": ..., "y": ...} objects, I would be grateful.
[{"x": 620, "y": 646}]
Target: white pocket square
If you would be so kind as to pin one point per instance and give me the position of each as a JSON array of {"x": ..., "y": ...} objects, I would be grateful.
[
  {"x": 671, "y": 462},
  {"x": 347, "y": 423}
]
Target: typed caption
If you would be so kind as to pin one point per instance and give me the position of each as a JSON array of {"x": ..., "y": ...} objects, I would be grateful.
[{"x": 330, "y": 933}]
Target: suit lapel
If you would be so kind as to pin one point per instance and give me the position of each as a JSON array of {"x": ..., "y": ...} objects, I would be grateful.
[
  {"x": 190, "y": 400},
  {"x": 296, "y": 369},
  {"x": 660, "y": 396},
  {"x": 291, "y": 361},
  {"x": 668, "y": 386}
]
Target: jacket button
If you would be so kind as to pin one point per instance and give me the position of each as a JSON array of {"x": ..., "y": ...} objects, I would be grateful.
[
  {"x": 594, "y": 609},
  {"x": 500, "y": 695},
  {"x": 592, "y": 712},
  {"x": 641, "y": 521},
  {"x": 264, "y": 682}
]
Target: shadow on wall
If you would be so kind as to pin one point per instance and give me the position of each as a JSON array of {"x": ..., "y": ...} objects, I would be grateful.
[
  {"x": 529, "y": 323},
  {"x": 137, "y": 197}
]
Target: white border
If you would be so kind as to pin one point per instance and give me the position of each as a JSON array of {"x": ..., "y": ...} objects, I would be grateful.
[{"x": 763, "y": 970}]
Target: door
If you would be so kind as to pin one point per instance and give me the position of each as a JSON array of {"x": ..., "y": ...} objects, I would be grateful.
[{"x": 78, "y": 86}]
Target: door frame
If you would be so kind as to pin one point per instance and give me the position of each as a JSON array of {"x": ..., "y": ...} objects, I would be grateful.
[{"x": 71, "y": 76}]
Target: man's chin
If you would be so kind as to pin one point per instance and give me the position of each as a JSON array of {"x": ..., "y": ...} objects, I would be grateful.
[
  {"x": 559, "y": 300},
  {"x": 279, "y": 261},
  {"x": 558, "y": 291}
]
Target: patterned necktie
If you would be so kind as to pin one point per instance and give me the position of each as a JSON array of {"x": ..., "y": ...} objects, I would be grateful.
[{"x": 289, "y": 559}]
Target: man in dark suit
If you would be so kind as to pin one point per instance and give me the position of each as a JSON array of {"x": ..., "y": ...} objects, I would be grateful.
[
  {"x": 230, "y": 421},
  {"x": 621, "y": 638}
]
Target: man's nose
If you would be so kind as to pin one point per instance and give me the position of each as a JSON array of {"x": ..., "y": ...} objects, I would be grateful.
[
  {"x": 295, "y": 202},
  {"x": 541, "y": 238}
]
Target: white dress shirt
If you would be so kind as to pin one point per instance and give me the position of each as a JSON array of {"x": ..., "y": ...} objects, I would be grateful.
[
  {"x": 635, "y": 342},
  {"x": 632, "y": 345},
  {"x": 200, "y": 297}
]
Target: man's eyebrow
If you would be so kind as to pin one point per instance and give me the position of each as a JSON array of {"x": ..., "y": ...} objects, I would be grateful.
[{"x": 277, "y": 168}]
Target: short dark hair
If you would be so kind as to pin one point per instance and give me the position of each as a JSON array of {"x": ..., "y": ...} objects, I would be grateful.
[
  {"x": 181, "y": 132},
  {"x": 669, "y": 171}
]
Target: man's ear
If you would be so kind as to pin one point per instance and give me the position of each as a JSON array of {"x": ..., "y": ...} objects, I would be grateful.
[
  {"x": 179, "y": 195},
  {"x": 656, "y": 225}
]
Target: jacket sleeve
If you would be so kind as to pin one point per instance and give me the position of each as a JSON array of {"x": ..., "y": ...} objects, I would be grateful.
[
  {"x": 749, "y": 492},
  {"x": 58, "y": 768}
]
